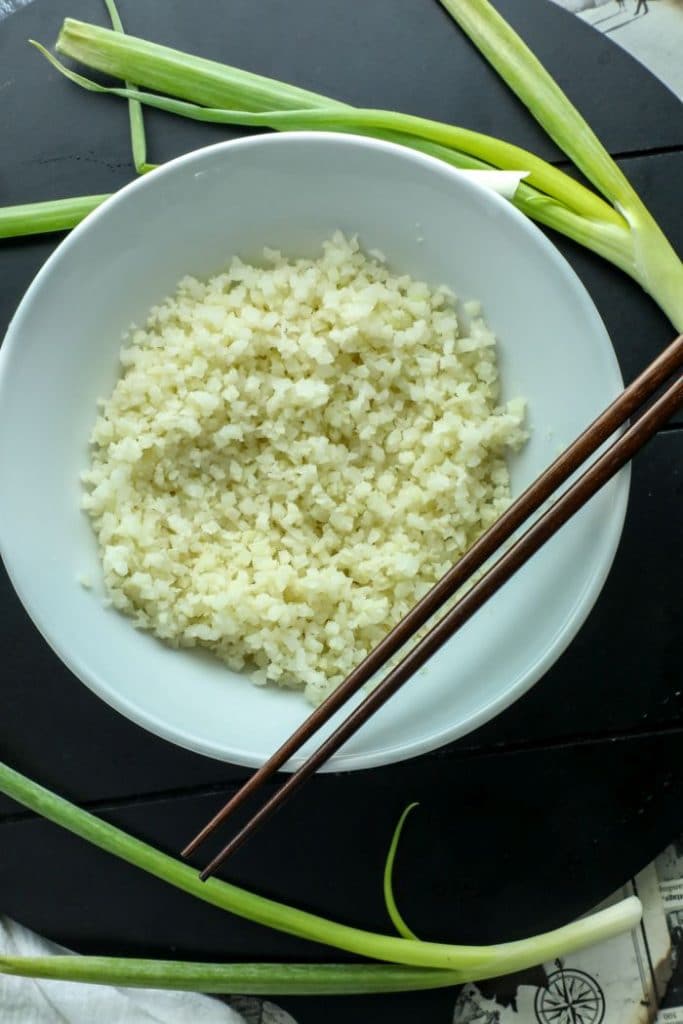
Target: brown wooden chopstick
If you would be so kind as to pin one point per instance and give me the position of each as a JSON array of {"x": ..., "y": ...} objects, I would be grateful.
[{"x": 529, "y": 502}]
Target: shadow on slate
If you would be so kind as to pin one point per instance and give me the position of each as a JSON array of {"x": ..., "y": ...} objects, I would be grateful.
[{"x": 524, "y": 824}]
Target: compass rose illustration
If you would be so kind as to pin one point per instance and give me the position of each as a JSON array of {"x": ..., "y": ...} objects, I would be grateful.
[{"x": 570, "y": 997}]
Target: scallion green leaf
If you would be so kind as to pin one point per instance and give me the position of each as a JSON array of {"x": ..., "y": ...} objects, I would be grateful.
[
  {"x": 236, "y": 978},
  {"x": 138, "y": 140},
  {"x": 176, "y": 73},
  {"x": 390, "y": 903}
]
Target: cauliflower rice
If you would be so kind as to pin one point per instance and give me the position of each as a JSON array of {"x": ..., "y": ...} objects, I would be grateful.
[{"x": 293, "y": 455}]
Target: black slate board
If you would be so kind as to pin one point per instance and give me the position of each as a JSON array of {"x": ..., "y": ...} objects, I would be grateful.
[{"x": 581, "y": 779}]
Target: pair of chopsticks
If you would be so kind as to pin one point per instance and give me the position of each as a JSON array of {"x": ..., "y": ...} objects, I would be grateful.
[{"x": 638, "y": 394}]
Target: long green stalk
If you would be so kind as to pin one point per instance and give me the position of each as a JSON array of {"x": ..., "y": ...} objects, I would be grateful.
[
  {"x": 469, "y": 962},
  {"x": 40, "y": 218},
  {"x": 573, "y": 209},
  {"x": 388, "y": 883},
  {"x": 610, "y": 241},
  {"x": 177, "y": 73},
  {"x": 242, "y": 979},
  {"x": 624, "y": 233},
  {"x": 522, "y": 71},
  {"x": 543, "y": 176},
  {"x": 64, "y": 214},
  {"x": 138, "y": 139},
  {"x": 98, "y": 48},
  {"x": 657, "y": 267}
]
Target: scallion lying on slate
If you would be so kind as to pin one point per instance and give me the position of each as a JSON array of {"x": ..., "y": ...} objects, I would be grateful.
[
  {"x": 243, "y": 979},
  {"x": 138, "y": 138},
  {"x": 42, "y": 218},
  {"x": 461, "y": 963},
  {"x": 645, "y": 252}
]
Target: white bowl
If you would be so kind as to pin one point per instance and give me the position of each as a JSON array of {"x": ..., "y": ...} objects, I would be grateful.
[{"x": 291, "y": 192}]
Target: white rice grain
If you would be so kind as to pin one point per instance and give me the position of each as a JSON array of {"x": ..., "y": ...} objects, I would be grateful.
[{"x": 293, "y": 455}]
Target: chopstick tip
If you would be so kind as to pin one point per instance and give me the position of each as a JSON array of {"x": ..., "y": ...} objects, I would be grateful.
[{"x": 226, "y": 852}]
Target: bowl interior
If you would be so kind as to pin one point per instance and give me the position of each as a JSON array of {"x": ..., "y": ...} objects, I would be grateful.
[{"x": 291, "y": 192}]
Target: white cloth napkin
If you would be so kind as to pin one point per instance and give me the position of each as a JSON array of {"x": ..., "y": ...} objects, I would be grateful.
[{"x": 36, "y": 1001}]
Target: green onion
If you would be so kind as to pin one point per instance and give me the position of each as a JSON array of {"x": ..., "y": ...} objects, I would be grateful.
[
  {"x": 390, "y": 903},
  {"x": 621, "y": 230},
  {"x": 591, "y": 221},
  {"x": 655, "y": 264},
  {"x": 39, "y": 218},
  {"x": 243, "y": 979},
  {"x": 492, "y": 152},
  {"x": 138, "y": 139},
  {"x": 521, "y": 70},
  {"x": 104, "y": 52},
  {"x": 467, "y": 963},
  {"x": 64, "y": 214},
  {"x": 167, "y": 70}
]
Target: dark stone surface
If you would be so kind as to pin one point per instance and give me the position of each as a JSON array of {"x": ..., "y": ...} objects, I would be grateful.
[{"x": 582, "y": 778}]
